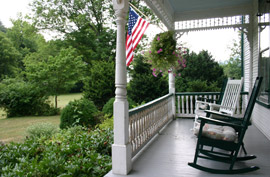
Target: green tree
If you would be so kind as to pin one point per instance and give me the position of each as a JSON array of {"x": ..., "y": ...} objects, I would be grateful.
[
  {"x": 57, "y": 74},
  {"x": 232, "y": 67},
  {"x": 25, "y": 38},
  {"x": 99, "y": 86},
  {"x": 8, "y": 57},
  {"x": 200, "y": 68},
  {"x": 2, "y": 27},
  {"x": 84, "y": 25},
  {"x": 143, "y": 85}
]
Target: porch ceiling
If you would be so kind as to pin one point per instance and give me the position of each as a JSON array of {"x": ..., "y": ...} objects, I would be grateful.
[{"x": 170, "y": 11}]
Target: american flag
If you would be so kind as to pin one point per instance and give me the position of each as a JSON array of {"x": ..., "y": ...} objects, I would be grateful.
[{"x": 136, "y": 29}]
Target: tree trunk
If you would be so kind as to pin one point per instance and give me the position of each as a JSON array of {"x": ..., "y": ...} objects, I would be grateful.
[{"x": 55, "y": 101}]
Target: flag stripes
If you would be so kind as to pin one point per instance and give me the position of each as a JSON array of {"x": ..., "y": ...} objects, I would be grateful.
[{"x": 136, "y": 29}]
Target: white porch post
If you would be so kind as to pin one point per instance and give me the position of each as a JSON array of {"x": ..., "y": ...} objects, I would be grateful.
[
  {"x": 172, "y": 90},
  {"x": 121, "y": 149}
]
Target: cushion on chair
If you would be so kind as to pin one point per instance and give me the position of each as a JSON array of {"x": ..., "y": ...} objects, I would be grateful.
[{"x": 225, "y": 133}]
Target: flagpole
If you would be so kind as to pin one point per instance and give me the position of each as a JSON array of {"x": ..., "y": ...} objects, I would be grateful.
[{"x": 144, "y": 15}]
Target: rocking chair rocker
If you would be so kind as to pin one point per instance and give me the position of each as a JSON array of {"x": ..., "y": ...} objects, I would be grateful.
[{"x": 223, "y": 148}]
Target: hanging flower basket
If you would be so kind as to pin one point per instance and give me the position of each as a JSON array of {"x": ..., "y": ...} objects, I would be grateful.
[{"x": 164, "y": 56}]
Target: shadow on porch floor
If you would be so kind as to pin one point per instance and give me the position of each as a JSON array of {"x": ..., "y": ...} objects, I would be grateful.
[{"x": 170, "y": 152}]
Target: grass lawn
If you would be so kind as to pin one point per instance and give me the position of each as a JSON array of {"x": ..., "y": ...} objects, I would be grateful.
[
  {"x": 63, "y": 100},
  {"x": 14, "y": 129}
]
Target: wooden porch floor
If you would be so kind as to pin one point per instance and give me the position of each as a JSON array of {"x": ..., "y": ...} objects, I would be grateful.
[{"x": 170, "y": 152}]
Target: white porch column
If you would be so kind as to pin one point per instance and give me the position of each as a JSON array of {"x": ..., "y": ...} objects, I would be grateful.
[
  {"x": 121, "y": 149},
  {"x": 172, "y": 90}
]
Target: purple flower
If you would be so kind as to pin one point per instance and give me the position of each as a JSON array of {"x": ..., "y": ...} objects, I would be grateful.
[
  {"x": 184, "y": 65},
  {"x": 158, "y": 38},
  {"x": 179, "y": 74},
  {"x": 160, "y": 71},
  {"x": 160, "y": 50},
  {"x": 169, "y": 71},
  {"x": 173, "y": 53},
  {"x": 150, "y": 51},
  {"x": 154, "y": 74},
  {"x": 174, "y": 74},
  {"x": 154, "y": 69}
]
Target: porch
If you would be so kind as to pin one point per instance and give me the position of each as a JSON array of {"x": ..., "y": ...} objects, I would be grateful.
[{"x": 174, "y": 146}]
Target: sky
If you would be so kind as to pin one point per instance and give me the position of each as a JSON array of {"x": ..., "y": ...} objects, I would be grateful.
[{"x": 215, "y": 41}]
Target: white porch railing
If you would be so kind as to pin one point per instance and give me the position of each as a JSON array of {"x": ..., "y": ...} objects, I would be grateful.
[
  {"x": 185, "y": 103},
  {"x": 147, "y": 120}
]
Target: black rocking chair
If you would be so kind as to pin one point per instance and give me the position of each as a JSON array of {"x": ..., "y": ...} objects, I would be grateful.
[{"x": 221, "y": 148}]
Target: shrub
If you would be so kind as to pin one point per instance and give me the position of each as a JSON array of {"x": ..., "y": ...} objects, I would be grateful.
[
  {"x": 79, "y": 112},
  {"x": 76, "y": 151},
  {"x": 41, "y": 129},
  {"x": 108, "y": 107},
  {"x": 107, "y": 123},
  {"x": 19, "y": 98}
]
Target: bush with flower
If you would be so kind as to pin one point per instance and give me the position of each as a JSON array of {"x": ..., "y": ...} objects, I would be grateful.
[{"x": 164, "y": 55}]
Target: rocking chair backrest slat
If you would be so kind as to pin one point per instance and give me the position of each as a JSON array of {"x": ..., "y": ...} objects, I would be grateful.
[
  {"x": 231, "y": 96},
  {"x": 222, "y": 91},
  {"x": 252, "y": 100}
]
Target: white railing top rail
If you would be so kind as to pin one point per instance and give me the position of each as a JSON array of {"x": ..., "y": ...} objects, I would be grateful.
[{"x": 149, "y": 104}]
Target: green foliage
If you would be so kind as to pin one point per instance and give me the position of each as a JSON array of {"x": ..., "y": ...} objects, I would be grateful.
[
  {"x": 19, "y": 98},
  {"x": 107, "y": 123},
  {"x": 41, "y": 129},
  {"x": 200, "y": 68},
  {"x": 163, "y": 54},
  {"x": 100, "y": 86},
  {"x": 198, "y": 86},
  {"x": 71, "y": 152},
  {"x": 79, "y": 112},
  {"x": 167, "y": 43},
  {"x": 8, "y": 57},
  {"x": 25, "y": 38},
  {"x": 108, "y": 107},
  {"x": 82, "y": 22},
  {"x": 232, "y": 67},
  {"x": 143, "y": 86},
  {"x": 93, "y": 46},
  {"x": 2, "y": 27},
  {"x": 57, "y": 74}
]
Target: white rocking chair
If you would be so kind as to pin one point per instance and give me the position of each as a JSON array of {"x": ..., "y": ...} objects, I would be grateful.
[{"x": 228, "y": 104}]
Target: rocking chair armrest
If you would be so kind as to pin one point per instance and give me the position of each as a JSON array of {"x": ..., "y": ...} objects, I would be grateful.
[
  {"x": 202, "y": 102},
  {"x": 226, "y": 116},
  {"x": 218, "y": 122},
  {"x": 218, "y": 105}
]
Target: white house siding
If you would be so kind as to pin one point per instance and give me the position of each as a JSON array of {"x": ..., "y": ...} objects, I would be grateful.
[{"x": 260, "y": 117}]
